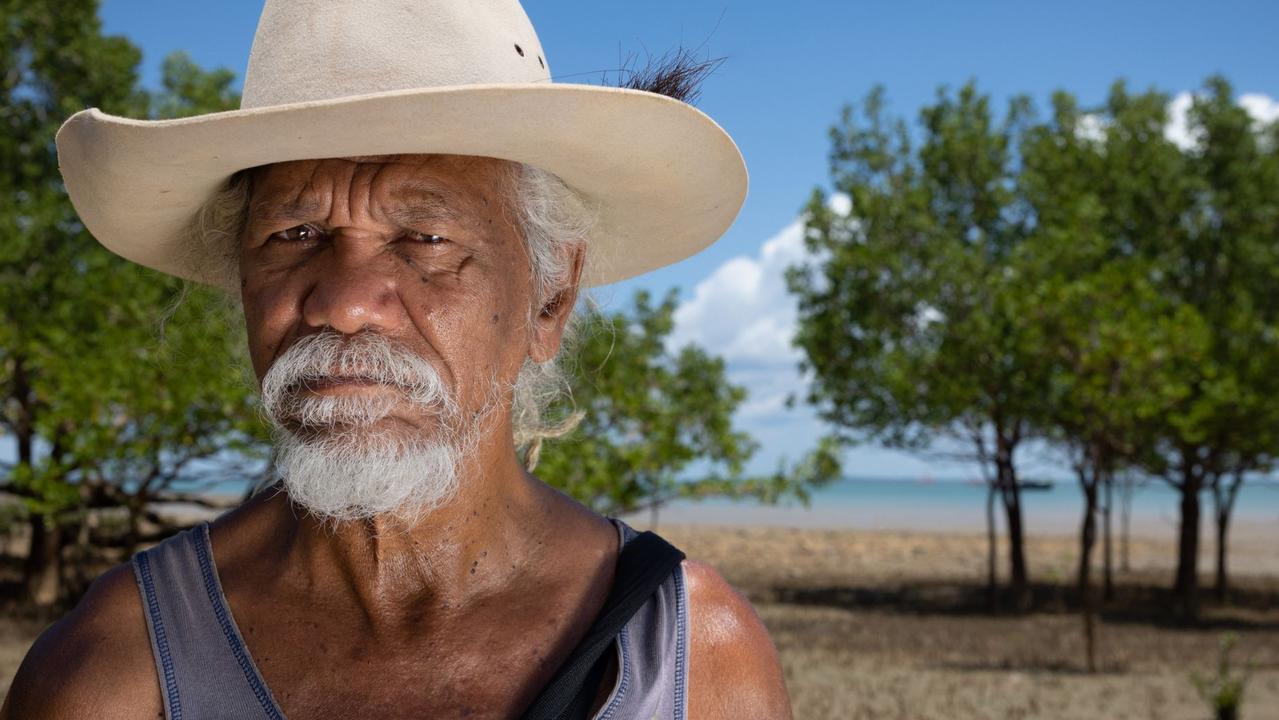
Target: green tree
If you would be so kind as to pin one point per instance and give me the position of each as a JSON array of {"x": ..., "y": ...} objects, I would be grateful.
[
  {"x": 908, "y": 318},
  {"x": 93, "y": 397},
  {"x": 1083, "y": 279},
  {"x": 656, "y": 423},
  {"x": 1114, "y": 346},
  {"x": 1204, "y": 222},
  {"x": 1236, "y": 255}
]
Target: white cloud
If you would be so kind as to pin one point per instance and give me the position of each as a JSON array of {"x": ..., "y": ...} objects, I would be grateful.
[
  {"x": 926, "y": 315},
  {"x": 1178, "y": 130},
  {"x": 743, "y": 312},
  {"x": 840, "y": 203},
  {"x": 1263, "y": 109},
  {"x": 1092, "y": 126}
]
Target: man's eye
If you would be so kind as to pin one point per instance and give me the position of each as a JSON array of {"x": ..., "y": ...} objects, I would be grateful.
[
  {"x": 299, "y": 233},
  {"x": 427, "y": 238}
]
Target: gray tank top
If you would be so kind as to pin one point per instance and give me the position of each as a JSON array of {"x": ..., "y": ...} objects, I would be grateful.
[{"x": 205, "y": 670}]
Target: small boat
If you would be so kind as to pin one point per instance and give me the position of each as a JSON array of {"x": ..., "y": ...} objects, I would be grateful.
[{"x": 1035, "y": 485}]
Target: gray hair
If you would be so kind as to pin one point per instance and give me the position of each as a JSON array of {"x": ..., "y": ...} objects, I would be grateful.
[{"x": 554, "y": 221}]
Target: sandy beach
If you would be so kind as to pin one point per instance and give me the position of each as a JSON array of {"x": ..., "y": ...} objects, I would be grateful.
[{"x": 890, "y": 624}]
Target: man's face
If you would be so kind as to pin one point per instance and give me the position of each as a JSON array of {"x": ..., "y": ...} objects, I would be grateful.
[
  {"x": 419, "y": 251},
  {"x": 422, "y": 250}
]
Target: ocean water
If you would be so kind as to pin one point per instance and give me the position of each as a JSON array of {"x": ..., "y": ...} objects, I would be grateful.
[{"x": 960, "y": 506}]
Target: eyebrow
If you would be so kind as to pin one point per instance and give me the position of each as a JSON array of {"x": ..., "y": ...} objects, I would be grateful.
[
  {"x": 268, "y": 211},
  {"x": 422, "y": 206}
]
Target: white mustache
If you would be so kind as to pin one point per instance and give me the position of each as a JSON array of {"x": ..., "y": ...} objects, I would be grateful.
[{"x": 331, "y": 356}]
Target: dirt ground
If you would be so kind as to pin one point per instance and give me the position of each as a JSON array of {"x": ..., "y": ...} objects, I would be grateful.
[{"x": 895, "y": 625}]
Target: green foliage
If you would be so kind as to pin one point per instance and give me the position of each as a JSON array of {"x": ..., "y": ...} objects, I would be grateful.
[
  {"x": 1198, "y": 227},
  {"x": 910, "y": 308},
  {"x": 190, "y": 90},
  {"x": 1223, "y": 691},
  {"x": 907, "y": 317},
  {"x": 102, "y": 405},
  {"x": 910, "y": 305},
  {"x": 1165, "y": 357},
  {"x": 653, "y": 415},
  {"x": 972, "y": 266},
  {"x": 1112, "y": 346}
]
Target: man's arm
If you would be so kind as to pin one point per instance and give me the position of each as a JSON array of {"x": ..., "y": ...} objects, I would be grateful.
[
  {"x": 733, "y": 670},
  {"x": 94, "y": 663}
]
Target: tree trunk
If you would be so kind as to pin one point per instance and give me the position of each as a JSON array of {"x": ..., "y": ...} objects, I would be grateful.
[
  {"x": 42, "y": 579},
  {"x": 1108, "y": 563},
  {"x": 1087, "y": 539},
  {"x": 23, "y": 422},
  {"x": 1125, "y": 520},
  {"x": 992, "y": 590},
  {"x": 1019, "y": 579},
  {"x": 1187, "y": 584},
  {"x": 1223, "y": 508},
  {"x": 133, "y": 529},
  {"x": 1223, "y": 529}
]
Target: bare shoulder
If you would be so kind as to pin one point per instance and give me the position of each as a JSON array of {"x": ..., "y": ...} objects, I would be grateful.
[
  {"x": 95, "y": 662},
  {"x": 733, "y": 669}
]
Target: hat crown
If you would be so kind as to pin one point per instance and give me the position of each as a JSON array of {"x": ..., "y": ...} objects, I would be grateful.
[{"x": 307, "y": 50}]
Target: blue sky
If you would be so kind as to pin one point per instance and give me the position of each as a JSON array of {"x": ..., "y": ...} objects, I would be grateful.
[{"x": 789, "y": 68}]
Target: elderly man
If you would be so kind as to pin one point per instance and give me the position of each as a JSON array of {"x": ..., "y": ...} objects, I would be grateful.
[{"x": 406, "y": 208}]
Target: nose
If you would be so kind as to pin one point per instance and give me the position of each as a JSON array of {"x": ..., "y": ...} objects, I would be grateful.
[{"x": 354, "y": 290}]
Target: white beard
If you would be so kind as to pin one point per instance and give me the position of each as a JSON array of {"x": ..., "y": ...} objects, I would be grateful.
[
  {"x": 340, "y": 480},
  {"x": 334, "y": 463}
]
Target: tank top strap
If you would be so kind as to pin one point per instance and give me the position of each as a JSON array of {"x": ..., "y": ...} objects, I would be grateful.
[
  {"x": 204, "y": 668},
  {"x": 625, "y": 532},
  {"x": 653, "y": 653}
]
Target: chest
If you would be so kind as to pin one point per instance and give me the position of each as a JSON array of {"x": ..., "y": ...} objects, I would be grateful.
[{"x": 324, "y": 664}]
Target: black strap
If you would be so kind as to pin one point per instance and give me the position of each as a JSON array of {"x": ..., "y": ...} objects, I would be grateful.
[{"x": 644, "y": 564}]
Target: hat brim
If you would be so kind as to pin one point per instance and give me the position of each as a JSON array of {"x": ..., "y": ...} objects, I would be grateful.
[{"x": 666, "y": 179}]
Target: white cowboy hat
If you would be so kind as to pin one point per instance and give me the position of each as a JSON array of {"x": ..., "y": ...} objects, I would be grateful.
[{"x": 344, "y": 78}]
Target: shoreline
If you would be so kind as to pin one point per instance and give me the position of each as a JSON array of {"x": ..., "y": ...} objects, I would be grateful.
[
  {"x": 1247, "y": 530},
  {"x": 1253, "y": 544},
  {"x": 1243, "y": 532}
]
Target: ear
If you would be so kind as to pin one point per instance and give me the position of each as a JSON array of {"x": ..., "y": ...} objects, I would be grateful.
[{"x": 549, "y": 320}]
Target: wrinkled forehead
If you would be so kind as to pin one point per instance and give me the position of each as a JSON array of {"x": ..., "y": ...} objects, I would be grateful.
[{"x": 459, "y": 182}]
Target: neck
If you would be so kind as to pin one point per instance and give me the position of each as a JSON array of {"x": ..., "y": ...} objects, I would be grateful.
[{"x": 399, "y": 571}]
